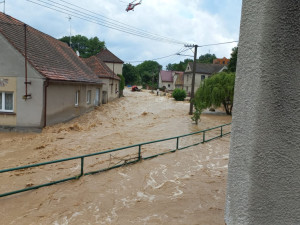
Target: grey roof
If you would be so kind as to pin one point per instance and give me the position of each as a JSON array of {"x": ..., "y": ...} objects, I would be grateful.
[{"x": 206, "y": 68}]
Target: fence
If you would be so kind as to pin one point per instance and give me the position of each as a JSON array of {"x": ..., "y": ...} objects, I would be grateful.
[{"x": 125, "y": 160}]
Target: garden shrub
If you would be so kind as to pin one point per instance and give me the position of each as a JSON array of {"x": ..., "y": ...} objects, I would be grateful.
[{"x": 179, "y": 94}]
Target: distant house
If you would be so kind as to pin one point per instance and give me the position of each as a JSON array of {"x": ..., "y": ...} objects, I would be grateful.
[
  {"x": 170, "y": 79},
  {"x": 166, "y": 80},
  {"x": 203, "y": 71},
  {"x": 42, "y": 80},
  {"x": 223, "y": 61},
  {"x": 112, "y": 61},
  {"x": 111, "y": 81},
  {"x": 178, "y": 79}
]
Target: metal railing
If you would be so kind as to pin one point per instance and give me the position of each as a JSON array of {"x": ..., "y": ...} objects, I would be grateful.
[{"x": 125, "y": 161}]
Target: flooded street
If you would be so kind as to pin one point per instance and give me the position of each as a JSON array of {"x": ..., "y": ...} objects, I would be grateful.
[{"x": 184, "y": 187}]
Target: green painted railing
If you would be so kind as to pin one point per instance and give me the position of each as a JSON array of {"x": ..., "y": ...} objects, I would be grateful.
[{"x": 126, "y": 162}]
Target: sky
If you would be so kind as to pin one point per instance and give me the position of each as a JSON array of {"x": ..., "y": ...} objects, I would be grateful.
[{"x": 198, "y": 22}]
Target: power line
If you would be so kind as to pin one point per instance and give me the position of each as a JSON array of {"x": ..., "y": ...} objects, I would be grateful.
[
  {"x": 112, "y": 25},
  {"x": 126, "y": 25},
  {"x": 163, "y": 57}
]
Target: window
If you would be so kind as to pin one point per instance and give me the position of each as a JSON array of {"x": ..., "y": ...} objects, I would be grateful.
[
  {"x": 6, "y": 102},
  {"x": 202, "y": 77},
  {"x": 77, "y": 98},
  {"x": 89, "y": 97}
]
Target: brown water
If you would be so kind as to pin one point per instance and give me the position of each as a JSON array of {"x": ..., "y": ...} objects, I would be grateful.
[{"x": 185, "y": 187}]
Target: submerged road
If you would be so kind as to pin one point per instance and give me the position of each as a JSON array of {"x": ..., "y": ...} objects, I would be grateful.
[{"x": 185, "y": 187}]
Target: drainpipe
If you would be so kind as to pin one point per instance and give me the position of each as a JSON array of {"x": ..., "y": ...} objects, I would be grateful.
[
  {"x": 46, "y": 84},
  {"x": 26, "y": 96}
]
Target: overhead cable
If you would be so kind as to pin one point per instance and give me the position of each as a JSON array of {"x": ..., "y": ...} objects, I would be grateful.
[{"x": 93, "y": 19}]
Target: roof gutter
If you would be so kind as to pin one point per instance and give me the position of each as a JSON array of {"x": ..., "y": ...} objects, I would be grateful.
[
  {"x": 26, "y": 96},
  {"x": 46, "y": 84}
]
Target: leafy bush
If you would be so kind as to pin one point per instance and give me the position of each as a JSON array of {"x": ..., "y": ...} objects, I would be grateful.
[
  {"x": 199, "y": 107},
  {"x": 179, "y": 94}
]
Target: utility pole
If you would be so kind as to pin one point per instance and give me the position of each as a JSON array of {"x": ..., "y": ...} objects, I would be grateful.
[
  {"x": 193, "y": 79},
  {"x": 69, "y": 18}
]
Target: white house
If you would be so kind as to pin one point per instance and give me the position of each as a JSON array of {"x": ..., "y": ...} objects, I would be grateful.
[
  {"x": 42, "y": 80},
  {"x": 202, "y": 72}
]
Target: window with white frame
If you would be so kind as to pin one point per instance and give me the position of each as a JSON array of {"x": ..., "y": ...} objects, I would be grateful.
[
  {"x": 89, "y": 97},
  {"x": 6, "y": 102},
  {"x": 77, "y": 98}
]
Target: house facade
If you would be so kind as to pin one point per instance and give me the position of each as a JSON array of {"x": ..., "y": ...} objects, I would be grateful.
[
  {"x": 112, "y": 61},
  {"x": 202, "y": 72},
  {"x": 42, "y": 80},
  {"x": 178, "y": 79},
  {"x": 111, "y": 81},
  {"x": 166, "y": 80}
]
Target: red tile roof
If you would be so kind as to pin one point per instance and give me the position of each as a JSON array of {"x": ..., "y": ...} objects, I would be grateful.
[
  {"x": 166, "y": 76},
  {"x": 100, "y": 68},
  {"x": 107, "y": 56},
  {"x": 50, "y": 57}
]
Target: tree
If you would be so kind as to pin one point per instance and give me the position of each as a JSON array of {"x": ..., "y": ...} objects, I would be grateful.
[
  {"x": 149, "y": 72},
  {"x": 181, "y": 66},
  {"x": 121, "y": 85},
  {"x": 233, "y": 60},
  {"x": 207, "y": 58},
  {"x": 216, "y": 91},
  {"x": 130, "y": 74},
  {"x": 86, "y": 47}
]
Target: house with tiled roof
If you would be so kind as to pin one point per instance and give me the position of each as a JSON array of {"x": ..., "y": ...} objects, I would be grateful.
[
  {"x": 202, "y": 72},
  {"x": 178, "y": 79},
  {"x": 165, "y": 80},
  {"x": 223, "y": 61},
  {"x": 42, "y": 80},
  {"x": 170, "y": 80},
  {"x": 111, "y": 60},
  {"x": 110, "y": 90}
]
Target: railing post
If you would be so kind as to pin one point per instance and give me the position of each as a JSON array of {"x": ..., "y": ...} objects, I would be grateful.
[
  {"x": 177, "y": 143},
  {"x": 82, "y": 164},
  {"x": 221, "y": 131},
  {"x": 140, "y": 157},
  {"x": 203, "y": 137}
]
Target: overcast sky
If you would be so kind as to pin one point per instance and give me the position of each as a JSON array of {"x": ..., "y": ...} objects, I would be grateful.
[{"x": 195, "y": 21}]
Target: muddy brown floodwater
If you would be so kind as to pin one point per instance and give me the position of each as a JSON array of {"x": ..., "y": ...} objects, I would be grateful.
[{"x": 184, "y": 187}]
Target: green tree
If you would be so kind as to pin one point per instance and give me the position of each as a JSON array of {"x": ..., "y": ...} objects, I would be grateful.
[
  {"x": 130, "y": 74},
  {"x": 86, "y": 47},
  {"x": 181, "y": 66},
  {"x": 121, "y": 85},
  {"x": 207, "y": 58},
  {"x": 233, "y": 60},
  {"x": 216, "y": 91},
  {"x": 148, "y": 71},
  {"x": 199, "y": 107}
]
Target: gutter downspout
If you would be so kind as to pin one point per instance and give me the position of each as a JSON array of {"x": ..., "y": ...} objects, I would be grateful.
[
  {"x": 46, "y": 84},
  {"x": 26, "y": 96}
]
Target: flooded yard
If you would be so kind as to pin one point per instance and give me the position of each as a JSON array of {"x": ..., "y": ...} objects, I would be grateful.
[{"x": 184, "y": 187}]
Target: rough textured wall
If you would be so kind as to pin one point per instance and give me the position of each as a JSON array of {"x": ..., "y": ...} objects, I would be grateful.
[{"x": 264, "y": 165}]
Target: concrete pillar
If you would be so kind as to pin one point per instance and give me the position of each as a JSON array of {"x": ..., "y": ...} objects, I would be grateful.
[{"x": 264, "y": 162}]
